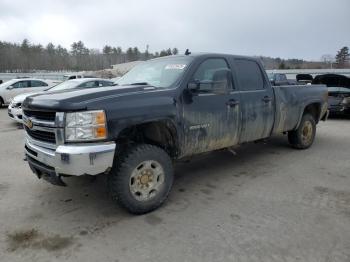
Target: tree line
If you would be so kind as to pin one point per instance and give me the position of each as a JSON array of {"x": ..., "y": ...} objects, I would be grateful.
[
  {"x": 340, "y": 60},
  {"x": 27, "y": 57}
]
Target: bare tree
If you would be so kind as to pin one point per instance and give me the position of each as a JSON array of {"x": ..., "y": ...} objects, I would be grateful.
[{"x": 328, "y": 60}]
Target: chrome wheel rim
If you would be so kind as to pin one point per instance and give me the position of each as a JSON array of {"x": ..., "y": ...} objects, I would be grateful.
[
  {"x": 146, "y": 180},
  {"x": 307, "y": 132}
]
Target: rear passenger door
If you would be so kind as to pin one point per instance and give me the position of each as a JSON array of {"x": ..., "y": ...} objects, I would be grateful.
[
  {"x": 257, "y": 100},
  {"x": 37, "y": 85}
]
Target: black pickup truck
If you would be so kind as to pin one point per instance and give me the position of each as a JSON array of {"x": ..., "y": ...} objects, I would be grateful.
[{"x": 163, "y": 110}]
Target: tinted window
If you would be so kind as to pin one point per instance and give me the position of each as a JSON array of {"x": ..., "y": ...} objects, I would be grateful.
[
  {"x": 105, "y": 83},
  {"x": 213, "y": 74},
  {"x": 21, "y": 84},
  {"x": 89, "y": 84},
  {"x": 283, "y": 77},
  {"x": 249, "y": 75},
  {"x": 36, "y": 83}
]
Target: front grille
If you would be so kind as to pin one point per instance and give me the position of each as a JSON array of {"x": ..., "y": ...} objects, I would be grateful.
[
  {"x": 41, "y": 115},
  {"x": 41, "y": 135}
]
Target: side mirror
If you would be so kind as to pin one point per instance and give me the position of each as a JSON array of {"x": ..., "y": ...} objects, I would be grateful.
[
  {"x": 9, "y": 87},
  {"x": 194, "y": 86}
]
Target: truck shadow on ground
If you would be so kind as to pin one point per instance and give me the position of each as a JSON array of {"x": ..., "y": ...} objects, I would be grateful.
[
  {"x": 204, "y": 175},
  {"x": 84, "y": 208}
]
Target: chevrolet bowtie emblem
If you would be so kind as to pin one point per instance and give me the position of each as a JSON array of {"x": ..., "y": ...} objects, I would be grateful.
[{"x": 28, "y": 122}]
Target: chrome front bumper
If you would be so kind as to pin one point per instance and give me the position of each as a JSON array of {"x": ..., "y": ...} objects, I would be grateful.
[{"x": 75, "y": 160}]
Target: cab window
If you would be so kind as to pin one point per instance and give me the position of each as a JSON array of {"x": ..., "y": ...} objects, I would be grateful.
[
  {"x": 213, "y": 75},
  {"x": 249, "y": 75}
]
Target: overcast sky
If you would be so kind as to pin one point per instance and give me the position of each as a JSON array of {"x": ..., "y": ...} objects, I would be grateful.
[{"x": 278, "y": 28}]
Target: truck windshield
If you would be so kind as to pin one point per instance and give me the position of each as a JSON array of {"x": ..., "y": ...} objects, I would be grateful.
[{"x": 161, "y": 73}]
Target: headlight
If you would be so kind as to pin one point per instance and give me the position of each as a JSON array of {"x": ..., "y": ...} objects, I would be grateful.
[{"x": 85, "y": 126}]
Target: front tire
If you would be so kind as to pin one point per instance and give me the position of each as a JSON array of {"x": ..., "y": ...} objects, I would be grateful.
[
  {"x": 304, "y": 136},
  {"x": 141, "y": 178}
]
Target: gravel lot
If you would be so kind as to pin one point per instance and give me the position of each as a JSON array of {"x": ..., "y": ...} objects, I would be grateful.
[{"x": 267, "y": 203}]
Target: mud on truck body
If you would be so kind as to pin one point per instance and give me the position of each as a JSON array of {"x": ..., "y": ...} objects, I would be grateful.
[{"x": 163, "y": 110}]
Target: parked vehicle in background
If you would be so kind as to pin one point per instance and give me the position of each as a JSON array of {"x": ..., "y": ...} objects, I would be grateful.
[
  {"x": 338, "y": 92},
  {"x": 167, "y": 109},
  {"x": 78, "y": 76},
  {"x": 278, "y": 79},
  {"x": 304, "y": 79},
  {"x": 15, "y": 107},
  {"x": 14, "y": 87}
]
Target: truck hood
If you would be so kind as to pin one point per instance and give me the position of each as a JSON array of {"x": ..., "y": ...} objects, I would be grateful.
[{"x": 83, "y": 99}]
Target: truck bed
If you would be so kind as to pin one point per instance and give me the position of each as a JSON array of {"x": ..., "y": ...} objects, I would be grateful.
[{"x": 291, "y": 101}]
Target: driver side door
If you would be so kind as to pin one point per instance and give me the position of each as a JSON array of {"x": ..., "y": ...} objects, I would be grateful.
[{"x": 211, "y": 109}]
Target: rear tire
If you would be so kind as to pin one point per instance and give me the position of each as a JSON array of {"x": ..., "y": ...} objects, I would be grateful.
[
  {"x": 304, "y": 136},
  {"x": 1, "y": 102},
  {"x": 141, "y": 178}
]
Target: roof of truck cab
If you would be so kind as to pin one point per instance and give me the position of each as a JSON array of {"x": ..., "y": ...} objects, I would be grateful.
[{"x": 197, "y": 55}]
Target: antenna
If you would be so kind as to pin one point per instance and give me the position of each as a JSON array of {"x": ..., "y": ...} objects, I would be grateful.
[{"x": 187, "y": 52}]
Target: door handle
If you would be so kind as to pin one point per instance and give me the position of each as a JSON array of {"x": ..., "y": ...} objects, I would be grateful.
[
  {"x": 232, "y": 103},
  {"x": 267, "y": 99}
]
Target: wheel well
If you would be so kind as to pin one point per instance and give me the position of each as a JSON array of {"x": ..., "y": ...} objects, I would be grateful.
[
  {"x": 314, "y": 109},
  {"x": 159, "y": 133},
  {"x": 2, "y": 100}
]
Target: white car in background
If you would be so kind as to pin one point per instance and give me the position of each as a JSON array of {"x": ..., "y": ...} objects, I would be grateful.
[
  {"x": 15, "y": 107},
  {"x": 14, "y": 87},
  {"x": 71, "y": 77}
]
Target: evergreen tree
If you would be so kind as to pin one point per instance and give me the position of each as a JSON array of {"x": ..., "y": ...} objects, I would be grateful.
[
  {"x": 342, "y": 57},
  {"x": 24, "y": 56},
  {"x": 129, "y": 54}
]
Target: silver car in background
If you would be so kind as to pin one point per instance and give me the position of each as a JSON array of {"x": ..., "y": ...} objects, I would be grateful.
[
  {"x": 14, "y": 87},
  {"x": 15, "y": 107}
]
